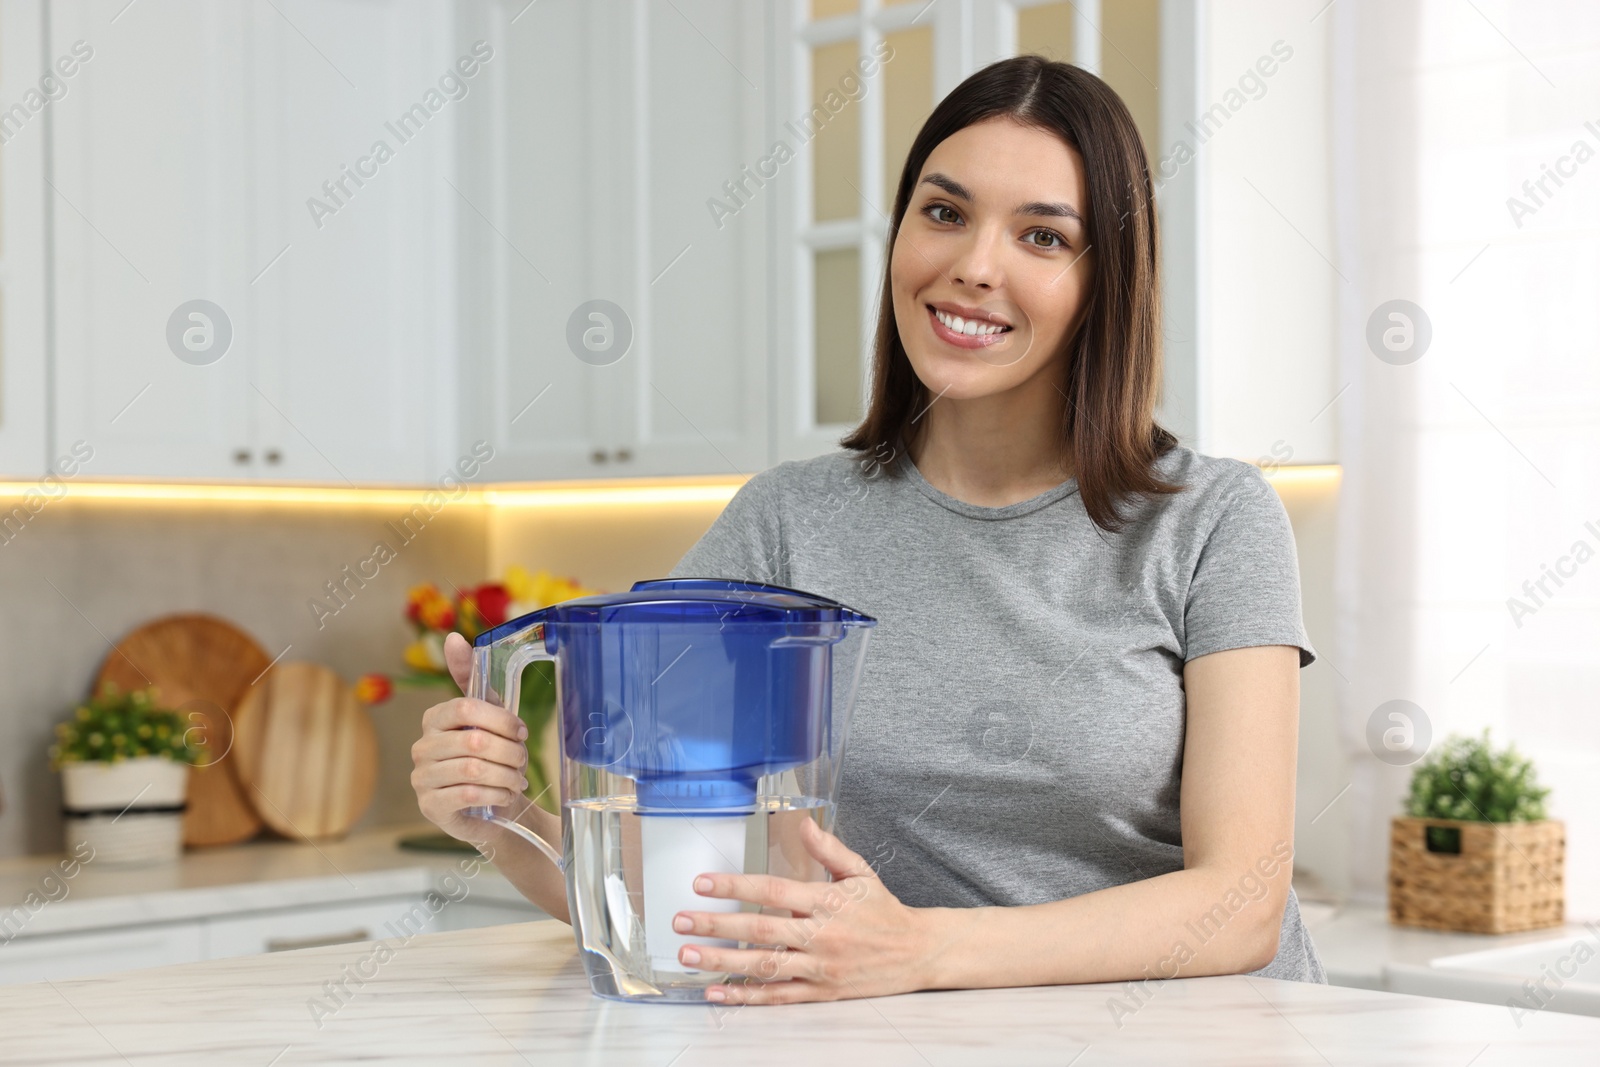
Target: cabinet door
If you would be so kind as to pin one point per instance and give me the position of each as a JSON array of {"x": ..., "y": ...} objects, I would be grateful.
[
  {"x": 694, "y": 222},
  {"x": 527, "y": 202},
  {"x": 23, "y": 452},
  {"x": 53, "y": 957},
  {"x": 352, "y": 158},
  {"x": 206, "y": 152},
  {"x": 150, "y": 207},
  {"x": 606, "y": 199}
]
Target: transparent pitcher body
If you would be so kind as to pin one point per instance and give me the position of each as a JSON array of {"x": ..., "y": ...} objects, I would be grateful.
[{"x": 699, "y": 728}]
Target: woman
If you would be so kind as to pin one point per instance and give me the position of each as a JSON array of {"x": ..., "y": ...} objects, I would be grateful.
[{"x": 1073, "y": 751}]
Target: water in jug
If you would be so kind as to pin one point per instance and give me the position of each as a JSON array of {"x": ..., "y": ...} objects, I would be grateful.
[{"x": 700, "y": 721}]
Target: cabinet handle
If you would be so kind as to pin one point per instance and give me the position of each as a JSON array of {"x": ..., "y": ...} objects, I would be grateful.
[
  {"x": 598, "y": 456},
  {"x": 289, "y": 944},
  {"x": 241, "y": 455},
  {"x": 273, "y": 456},
  {"x": 623, "y": 455}
]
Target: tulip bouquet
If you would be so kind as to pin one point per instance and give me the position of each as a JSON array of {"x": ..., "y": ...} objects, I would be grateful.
[{"x": 433, "y": 614}]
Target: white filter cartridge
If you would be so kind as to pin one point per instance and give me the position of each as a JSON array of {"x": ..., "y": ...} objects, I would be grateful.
[{"x": 677, "y": 848}]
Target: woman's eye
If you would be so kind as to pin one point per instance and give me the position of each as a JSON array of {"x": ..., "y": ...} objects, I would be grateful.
[{"x": 1053, "y": 240}]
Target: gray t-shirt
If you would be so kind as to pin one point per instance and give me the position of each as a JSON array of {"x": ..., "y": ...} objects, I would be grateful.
[{"x": 1018, "y": 733}]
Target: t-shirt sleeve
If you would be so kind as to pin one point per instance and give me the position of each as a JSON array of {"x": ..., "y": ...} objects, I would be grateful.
[
  {"x": 1245, "y": 590},
  {"x": 745, "y": 542}
]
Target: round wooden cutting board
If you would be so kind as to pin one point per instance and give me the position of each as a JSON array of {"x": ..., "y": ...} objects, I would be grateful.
[
  {"x": 200, "y": 665},
  {"x": 306, "y": 751}
]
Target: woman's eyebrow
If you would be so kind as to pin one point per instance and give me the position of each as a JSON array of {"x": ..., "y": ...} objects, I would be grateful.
[{"x": 1033, "y": 207}]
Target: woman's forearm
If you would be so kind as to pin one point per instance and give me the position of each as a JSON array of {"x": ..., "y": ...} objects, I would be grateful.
[
  {"x": 1184, "y": 924},
  {"x": 525, "y": 867}
]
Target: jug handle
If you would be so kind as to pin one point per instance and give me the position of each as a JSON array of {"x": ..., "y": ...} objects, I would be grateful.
[{"x": 478, "y": 688}]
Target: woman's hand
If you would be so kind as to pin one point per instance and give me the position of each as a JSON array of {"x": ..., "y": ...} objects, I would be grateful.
[
  {"x": 455, "y": 769},
  {"x": 848, "y": 938}
]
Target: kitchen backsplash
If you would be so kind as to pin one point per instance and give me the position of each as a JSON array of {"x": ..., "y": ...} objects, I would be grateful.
[{"x": 84, "y": 573}]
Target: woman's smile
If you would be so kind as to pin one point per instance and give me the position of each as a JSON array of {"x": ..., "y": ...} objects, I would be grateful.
[{"x": 965, "y": 333}]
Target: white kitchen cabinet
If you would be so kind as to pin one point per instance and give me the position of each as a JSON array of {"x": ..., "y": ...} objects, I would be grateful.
[
  {"x": 695, "y": 399},
  {"x": 53, "y": 957},
  {"x": 469, "y": 914},
  {"x": 395, "y": 918},
  {"x": 606, "y": 199},
  {"x": 149, "y": 204},
  {"x": 186, "y": 160},
  {"x": 24, "y": 452},
  {"x": 335, "y": 924}
]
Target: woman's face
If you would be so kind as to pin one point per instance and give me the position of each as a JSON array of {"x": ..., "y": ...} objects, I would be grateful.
[{"x": 997, "y": 226}]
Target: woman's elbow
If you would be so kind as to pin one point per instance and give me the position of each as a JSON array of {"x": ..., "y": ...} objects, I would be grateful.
[
  {"x": 1263, "y": 949},
  {"x": 1259, "y": 942}
]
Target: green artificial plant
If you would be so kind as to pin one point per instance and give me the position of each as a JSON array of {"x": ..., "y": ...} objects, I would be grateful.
[
  {"x": 1465, "y": 779},
  {"x": 113, "y": 726}
]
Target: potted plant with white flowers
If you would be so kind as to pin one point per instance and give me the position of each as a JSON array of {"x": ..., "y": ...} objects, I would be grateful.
[{"x": 124, "y": 763}]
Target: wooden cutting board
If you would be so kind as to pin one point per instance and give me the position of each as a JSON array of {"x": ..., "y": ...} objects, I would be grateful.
[
  {"x": 306, "y": 751},
  {"x": 200, "y": 665}
]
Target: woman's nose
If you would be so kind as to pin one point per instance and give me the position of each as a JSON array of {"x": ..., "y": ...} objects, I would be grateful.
[{"x": 977, "y": 264}]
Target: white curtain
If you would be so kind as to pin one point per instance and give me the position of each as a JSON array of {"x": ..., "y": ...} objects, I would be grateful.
[{"x": 1474, "y": 468}]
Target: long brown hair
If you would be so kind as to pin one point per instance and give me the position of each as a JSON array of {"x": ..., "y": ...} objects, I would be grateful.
[{"x": 1113, "y": 371}]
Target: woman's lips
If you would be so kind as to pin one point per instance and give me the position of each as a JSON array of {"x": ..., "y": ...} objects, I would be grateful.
[{"x": 961, "y": 340}]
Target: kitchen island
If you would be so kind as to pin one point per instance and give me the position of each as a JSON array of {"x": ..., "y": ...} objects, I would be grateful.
[{"x": 517, "y": 995}]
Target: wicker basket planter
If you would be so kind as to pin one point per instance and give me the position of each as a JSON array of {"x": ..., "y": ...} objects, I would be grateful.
[{"x": 1502, "y": 877}]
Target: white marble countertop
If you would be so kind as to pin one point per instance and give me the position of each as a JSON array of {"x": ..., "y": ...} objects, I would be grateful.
[
  {"x": 260, "y": 875},
  {"x": 1357, "y": 943},
  {"x": 517, "y": 995}
]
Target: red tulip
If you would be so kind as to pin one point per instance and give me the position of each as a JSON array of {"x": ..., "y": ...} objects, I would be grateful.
[
  {"x": 493, "y": 600},
  {"x": 374, "y": 689}
]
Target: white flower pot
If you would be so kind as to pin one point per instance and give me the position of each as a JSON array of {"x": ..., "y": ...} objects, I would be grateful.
[{"x": 125, "y": 812}]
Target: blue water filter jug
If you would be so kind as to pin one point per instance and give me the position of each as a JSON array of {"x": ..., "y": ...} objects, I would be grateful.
[{"x": 698, "y": 718}]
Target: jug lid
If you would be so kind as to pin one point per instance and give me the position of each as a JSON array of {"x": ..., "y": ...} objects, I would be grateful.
[{"x": 689, "y": 600}]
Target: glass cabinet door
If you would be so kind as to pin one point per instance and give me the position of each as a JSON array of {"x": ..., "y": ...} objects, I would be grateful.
[{"x": 861, "y": 76}]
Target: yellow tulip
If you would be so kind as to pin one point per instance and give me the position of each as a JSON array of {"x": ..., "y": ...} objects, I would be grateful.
[
  {"x": 519, "y": 583},
  {"x": 418, "y": 656}
]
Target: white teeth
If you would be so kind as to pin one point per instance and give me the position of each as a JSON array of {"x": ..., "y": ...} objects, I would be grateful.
[{"x": 970, "y": 327}]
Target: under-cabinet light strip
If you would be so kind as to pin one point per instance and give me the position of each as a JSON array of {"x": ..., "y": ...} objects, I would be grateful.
[
  {"x": 1305, "y": 475},
  {"x": 641, "y": 493},
  {"x": 518, "y": 496}
]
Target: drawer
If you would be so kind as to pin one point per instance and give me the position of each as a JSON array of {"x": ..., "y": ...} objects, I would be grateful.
[
  {"x": 314, "y": 926},
  {"x": 471, "y": 914},
  {"x": 51, "y": 957}
]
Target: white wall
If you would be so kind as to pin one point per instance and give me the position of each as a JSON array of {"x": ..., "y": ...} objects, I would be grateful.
[{"x": 1267, "y": 350}]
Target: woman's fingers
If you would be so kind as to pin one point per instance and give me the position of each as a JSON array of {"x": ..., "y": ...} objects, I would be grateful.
[
  {"x": 469, "y": 744},
  {"x": 833, "y": 854},
  {"x": 762, "y": 964},
  {"x": 779, "y": 992},
  {"x": 770, "y": 891},
  {"x": 443, "y": 774},
  {"x": 464, "y": 711},
  {"x": 471, "y": 754},
  {"x": 747, "y": 926},
  {"x": 440, "y": 806},
  {"x": 458, "y": 657}
]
